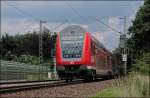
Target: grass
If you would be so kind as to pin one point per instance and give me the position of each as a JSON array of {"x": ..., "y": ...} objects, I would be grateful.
[
  {"x": 134, "y": 85},
  {"x": 108, "y": 92},
  {"x": 33, "y": 77},
  {"x": 37, "y": 77}
]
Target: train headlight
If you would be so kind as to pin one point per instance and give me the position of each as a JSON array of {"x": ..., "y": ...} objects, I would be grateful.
[{"x": 71, "y": 62}]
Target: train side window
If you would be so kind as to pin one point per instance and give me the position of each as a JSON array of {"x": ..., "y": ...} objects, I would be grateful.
[
  {"x": 96, "y": 51},
  {"x": 92, "y": 48}
]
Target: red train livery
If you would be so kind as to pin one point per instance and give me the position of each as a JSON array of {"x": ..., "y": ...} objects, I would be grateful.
[{"x": 80, "y": 55}]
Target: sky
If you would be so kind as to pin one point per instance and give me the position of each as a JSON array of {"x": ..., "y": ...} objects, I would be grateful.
[{"x": 24, "y": 16}]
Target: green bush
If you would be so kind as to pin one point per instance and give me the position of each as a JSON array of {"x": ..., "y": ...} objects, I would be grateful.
[
  {"x": 37, "y": 77},
  {"x": 32, "y": 60},
  {"x": 142, "y": 64}
]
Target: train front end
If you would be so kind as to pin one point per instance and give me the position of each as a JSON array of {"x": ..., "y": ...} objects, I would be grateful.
[{"x": 70, "y": 52}]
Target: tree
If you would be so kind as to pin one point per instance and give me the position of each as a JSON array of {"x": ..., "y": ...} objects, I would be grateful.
[
  {"x": 140, "y": 31},
  {"x": 26, "y": 45},
  {"x": 139, "y": 42}
]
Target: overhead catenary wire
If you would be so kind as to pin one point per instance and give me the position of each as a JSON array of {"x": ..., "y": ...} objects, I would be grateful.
[
  {"x": 59, "y": 25},
  {"x": 22, "y": 11},
  {"x": 75, "y": 11},
  {"x": 30, "y": 15},
  {"x": 98, "y": 20}
]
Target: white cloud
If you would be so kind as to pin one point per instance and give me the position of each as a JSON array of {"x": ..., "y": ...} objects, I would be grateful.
[
  {"x": 108, "y": 37},
  {"x": 131, "y": 17},
  {"x": 115, "y": 23},
  {"x": 13, "y": 26},
  {"x": 99, "y": 35}
]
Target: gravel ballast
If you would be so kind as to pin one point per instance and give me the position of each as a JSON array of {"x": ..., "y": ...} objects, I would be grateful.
[{"x": 72, "y": 90}]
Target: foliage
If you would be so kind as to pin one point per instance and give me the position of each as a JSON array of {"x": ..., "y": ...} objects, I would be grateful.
[
  {"x": 142, "y": 64},
  {"x": 37, "y": 77},
  {"x": 108, "y": 92},
  {"x": 139, "y": 42},
  {"x": 28, "y": 59},
  {"x": 118, "y": 56},
  {"x": 134, "y": 85},
  {"x": 140, "y": 38},
  {"x": 25, "y": 47}
]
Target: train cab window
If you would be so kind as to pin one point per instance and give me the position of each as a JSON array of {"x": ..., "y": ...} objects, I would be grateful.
[{"x": 72, "y": 49}]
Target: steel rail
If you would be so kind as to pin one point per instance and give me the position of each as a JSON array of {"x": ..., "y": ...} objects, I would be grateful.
[
  {"x": 35, "y": 86},
  {"x": 26, "y": 86},
  {"x": 24, "y": 81}
]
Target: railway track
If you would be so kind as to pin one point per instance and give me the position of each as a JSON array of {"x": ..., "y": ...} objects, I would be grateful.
[
  {"x": 61, "y": 89},
  {"x": 24, "y": 85},
  {"x": 20, "y": 86},
  {"x": 24, "y": 81}
]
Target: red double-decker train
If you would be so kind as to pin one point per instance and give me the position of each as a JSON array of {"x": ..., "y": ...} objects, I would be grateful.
[{"x": 81, "y": 55}]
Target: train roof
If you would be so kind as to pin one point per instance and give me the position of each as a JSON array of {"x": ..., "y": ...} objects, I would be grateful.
[
  {"x": 73, "y": 29},
  {"x": 99, "y": 44}
]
